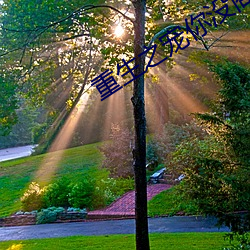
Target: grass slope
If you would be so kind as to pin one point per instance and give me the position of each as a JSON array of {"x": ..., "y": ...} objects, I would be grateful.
[
  {"x": 173, "y": 241},
  {"x": 16, "y": 175},
  {"x": 170, "y": 202}
]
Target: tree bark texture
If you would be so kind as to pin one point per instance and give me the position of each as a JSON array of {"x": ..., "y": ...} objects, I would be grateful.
[{"x": 139, "y": 151}]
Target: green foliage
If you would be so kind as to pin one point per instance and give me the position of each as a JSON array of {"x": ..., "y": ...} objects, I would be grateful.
[
  {"x": 216, "y": 168},
  {"x": 205, "y": 175},
  {"x": 91, "y": 193},
  {"x": 22, "y": 132},
  {"x": 32, "y": 198},
  {"x": 108, "y": 190},
  {"x": 166, "y": 141},
  {"x": 56, "y": 194},
  {"x": 103, "y": 193},
  {"x": 242, "y": 241},
  {"x": 48, "y": 215},
  {"x": 81, "y": 194},
  {"x": 151, "y": 154},
  {"x": 16, "y": 175},
  {"x": 123, "y": 185},
  {"x": 8, "y": 104},
  {"x": 118, "y": 153},
  {"x": 38, "y": 131}
]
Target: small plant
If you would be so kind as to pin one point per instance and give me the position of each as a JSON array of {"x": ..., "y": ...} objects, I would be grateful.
[
  {"x": 48, "y": 215},
  {"x": 33, "y": 197},
  {"x": 103, "y": 195},
  {"x": 109, "y": 189},
  {"x": 76, "y": 210},
  {"x": 243, "y": 242}
]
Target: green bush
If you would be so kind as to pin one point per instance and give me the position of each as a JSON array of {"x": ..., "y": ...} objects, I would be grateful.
[
  {"x": 123, "y": 185},
  {"x": 48, "y": 215},
  {"x": 33, "y": 198},
  {"x": 242, "y": 241},
  {"x": 57, "y": 193},
  {"x": 38, "y": 131},
  {"x": 109, "y": 189},
  {"x": 152, "y": 156},
  {"x": 81, "y": 194},
  {"x": 104, "y": 194}
]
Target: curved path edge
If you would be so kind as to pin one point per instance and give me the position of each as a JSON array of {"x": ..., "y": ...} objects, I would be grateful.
[{"x": 178, "y": 224}]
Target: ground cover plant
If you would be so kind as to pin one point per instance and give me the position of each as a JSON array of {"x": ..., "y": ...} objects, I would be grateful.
[{"x": 170, "y": 241}]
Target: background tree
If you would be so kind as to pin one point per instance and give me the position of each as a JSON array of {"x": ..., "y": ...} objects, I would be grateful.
[
  {"x": 8, "y": 105},
  {"x": 216, "y": 168},
  {"x": 118, "y": 155}
]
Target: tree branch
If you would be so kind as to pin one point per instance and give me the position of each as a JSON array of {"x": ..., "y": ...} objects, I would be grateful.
[
  {"x": 42, "y": 29},
  {"x": 218, "y": 38},
  {"x": 200, "y": 38},
  {"x": 74, "y": 13}
]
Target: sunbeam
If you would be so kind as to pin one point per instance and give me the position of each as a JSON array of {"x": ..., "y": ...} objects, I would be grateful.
[{"x": 51, "y": 161}]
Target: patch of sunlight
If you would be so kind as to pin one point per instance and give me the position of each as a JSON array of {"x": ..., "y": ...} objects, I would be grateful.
[
  {"x": 51, "y": 161},
  {"x": 15, "y": 247}
]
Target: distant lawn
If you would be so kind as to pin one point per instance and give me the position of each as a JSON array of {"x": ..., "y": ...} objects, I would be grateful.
[
  {"x": 170, "y": 241},
  {"x": 16, "y": 175}
]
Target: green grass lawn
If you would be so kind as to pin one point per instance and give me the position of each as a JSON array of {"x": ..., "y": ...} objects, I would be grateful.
[
  {"x": 170, "y": 241},
  {"x": 169, "y": 203},
  {"x": 16, "y": 175}
]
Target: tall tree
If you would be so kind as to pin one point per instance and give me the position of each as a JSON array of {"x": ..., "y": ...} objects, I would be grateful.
[
  {"x": 217, "y": 167},
  {"x": 139, "y": 151}
]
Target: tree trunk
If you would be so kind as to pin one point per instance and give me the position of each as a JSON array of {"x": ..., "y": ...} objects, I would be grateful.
[{"x": 139, "y": 151}]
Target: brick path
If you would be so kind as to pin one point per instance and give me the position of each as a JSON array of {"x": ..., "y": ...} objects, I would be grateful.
[{"x": 124, "y": 207}]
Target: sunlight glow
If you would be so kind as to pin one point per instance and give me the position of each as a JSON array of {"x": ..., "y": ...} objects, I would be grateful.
[
  {"x": 119, "y": 31},
  {"x": 51, "y": 161}
]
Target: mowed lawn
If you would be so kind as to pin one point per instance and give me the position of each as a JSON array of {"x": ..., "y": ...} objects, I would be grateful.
[
  {"x": 16, "y": 175},
  {"x": 170, "y": 241}
]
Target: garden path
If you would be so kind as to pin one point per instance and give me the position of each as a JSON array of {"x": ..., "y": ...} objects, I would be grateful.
[{"x": 125, "y": 206}]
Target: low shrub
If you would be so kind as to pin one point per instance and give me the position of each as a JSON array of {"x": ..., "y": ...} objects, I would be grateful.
[
  {"x": 81, "y": 194},
  {"x": 109, "y": 189},
  {"x": 57, "y": 193},
  {"x": 48, "y": 215},
  {"x": 78, "y": 210},
  {"x": 88, "y": 193},
  {"x": 103, "y": 194},
  {"x": 33, "y": 197},
  {"x": 123, "y": 185}
]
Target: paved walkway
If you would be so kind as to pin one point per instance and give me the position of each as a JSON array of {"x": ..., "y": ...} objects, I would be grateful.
[
  {"x": 17, "y": 152},
  {"x": 125, "y": 206},
  {"x": 156, "y": 225}
]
